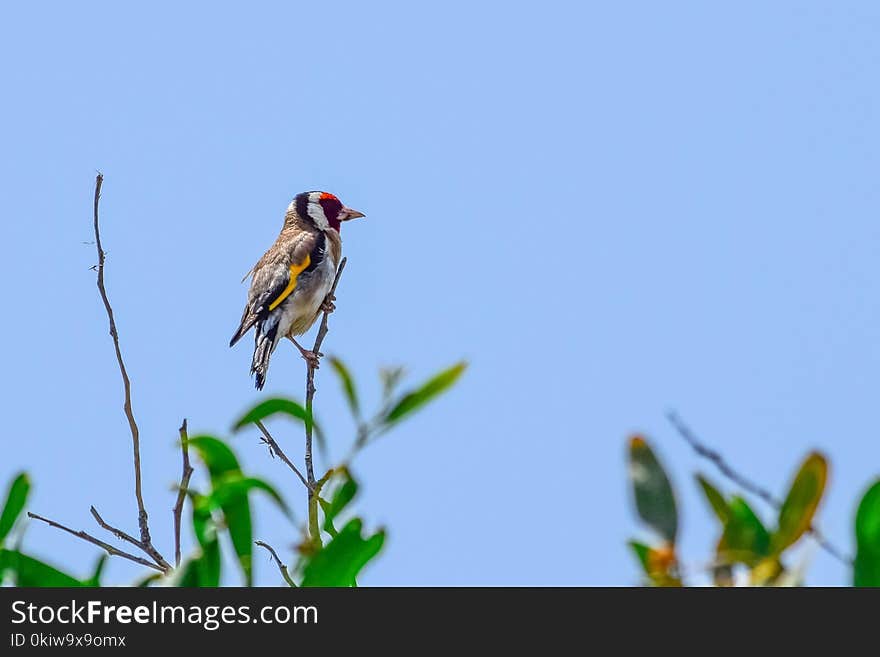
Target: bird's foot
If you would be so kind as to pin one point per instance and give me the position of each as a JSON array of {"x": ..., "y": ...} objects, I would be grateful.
[
  {"x": 313, "y": 359},
  {"x": 328, "y": 306}
]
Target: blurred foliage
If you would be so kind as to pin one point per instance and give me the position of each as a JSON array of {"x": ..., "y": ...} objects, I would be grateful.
[
  {"x": 747, "y": 549},
  {"x": 220, "y": 513},
  {"x": 867, "y": 563}
]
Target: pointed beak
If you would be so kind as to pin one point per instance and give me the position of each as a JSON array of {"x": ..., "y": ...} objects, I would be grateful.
[{"x": 348, "y": 213}]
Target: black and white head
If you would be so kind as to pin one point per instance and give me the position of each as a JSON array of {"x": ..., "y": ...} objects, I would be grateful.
[{"x": 322, "y": 209}]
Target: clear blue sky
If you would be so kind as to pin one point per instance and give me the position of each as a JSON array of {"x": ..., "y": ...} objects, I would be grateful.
[{"x": 610, "y": 209}]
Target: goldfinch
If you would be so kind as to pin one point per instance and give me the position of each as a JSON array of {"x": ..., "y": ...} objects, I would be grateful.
[{"x": 289, "y": 284}]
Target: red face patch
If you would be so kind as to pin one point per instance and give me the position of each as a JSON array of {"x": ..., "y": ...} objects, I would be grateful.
[{"x": 331, "y": 206}]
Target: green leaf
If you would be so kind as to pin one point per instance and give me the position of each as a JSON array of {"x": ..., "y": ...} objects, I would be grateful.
[
  {"x": 203, "y": 523},
  {"x": 272, "y": 407},
  {"x": 417, "y": 398},
  {"x": 234, "y": 485},
  {"x": 715, "y": 498},
  {"x": 340, "y": 561},
  {"x": 796, "y": 513},
  {"x": 208, "y": 566},
  {"x": 328, "y": 527},
  {"x": 216, "y": 454},
  {"x": 348, "y": 386},
  {"x": 745, "y": 539},
  {"x": 343, "y": 494},
  {"x": 95, "y": 579},
  {"x": 15, "y": 501},
  {"x": 238, "y": 521},
  {"x": 231, "y": 495},
  {"x": 866, "y": 569},
  {"x": 223, "y": 465},
  {"x": 188, "y": 574},
  {"x": 202, "y": 569},
  {"x": 655, "y": 501},
  {"x": 27, "y": 571},
  {"x": 146, "y": 580},
  {"x": 642, "y": 553}
]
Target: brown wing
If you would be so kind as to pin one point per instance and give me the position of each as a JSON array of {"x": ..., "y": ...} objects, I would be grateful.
[{"x": 275, "y": 276}]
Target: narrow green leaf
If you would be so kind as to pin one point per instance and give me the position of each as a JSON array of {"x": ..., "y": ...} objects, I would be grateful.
[
  {"x": 187, "y": 575},
  {"x": 799, "y": 507},
  {"x": 866, "y": 569},
  {"x": 5, "y": 564},
  {"x": 27, "y": 571},
  {"x": 343, "y": 494},
  {"x": 223, "y": 466},
  {"x": 234, "y": 485},
  {"x": 216, "y": 454},
  {"x": 237, "y": 514},
  {"x": 148, "y": 579},
  {"x": 328, "y": 526},
  {"x": 655, "y": 501},
  {"x": 201, "y": 570},
  {"x": 15, "y": 501},
  {"x": 271, "y": 407},
  {"x": 202, "y": 522},
  {"x": 95, "y": 579},
  {"x": 642, "y": 553},
  {"x": 715, "y": 498},
  {"x": 204, "y": 568},
  {"x": 745, "y": 539},
  {"x": 417, "y": 398},
  {"x": 209, "y": 565},
  {"x": 340, "y": 561},
  {"x": 348, "y": 386}
]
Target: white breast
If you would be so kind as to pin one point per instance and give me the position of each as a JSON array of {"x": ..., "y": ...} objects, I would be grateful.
[{"x": 300, "y": 309}]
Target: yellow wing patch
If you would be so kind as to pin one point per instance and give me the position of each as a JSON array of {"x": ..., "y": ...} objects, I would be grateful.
[{"x": 295, "y": 271}]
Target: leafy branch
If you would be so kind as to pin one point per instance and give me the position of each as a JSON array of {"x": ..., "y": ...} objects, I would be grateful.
[
  {"x": 745, "y": 540},
  {"x": 746, "y": 484}
]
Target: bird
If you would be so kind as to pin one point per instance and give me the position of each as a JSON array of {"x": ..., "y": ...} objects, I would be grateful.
[{"x": 290, "y": 283}]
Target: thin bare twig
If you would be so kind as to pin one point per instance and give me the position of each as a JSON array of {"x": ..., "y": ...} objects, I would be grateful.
[
  {"x": 111, "y": 550},
  {"x": 310, "y": 374},
  {"x": 144, "y": 543},
  {"x": 284, "y": 572},
  {"x": 310, "y": 396},
  {"x": 185, "y": 475},
  {"x": 143, "y": 521},
  {"x": 275, "y": 450},
  {"x": 743, "y": 482},
  {"x": 118, "y": 533}
]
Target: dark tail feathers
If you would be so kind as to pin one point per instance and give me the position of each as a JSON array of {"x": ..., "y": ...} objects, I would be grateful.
[
  {"x": 264, "y": 345},
  {"x": 247, "y": 321},
  {"x": 260, "y": 366}
]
